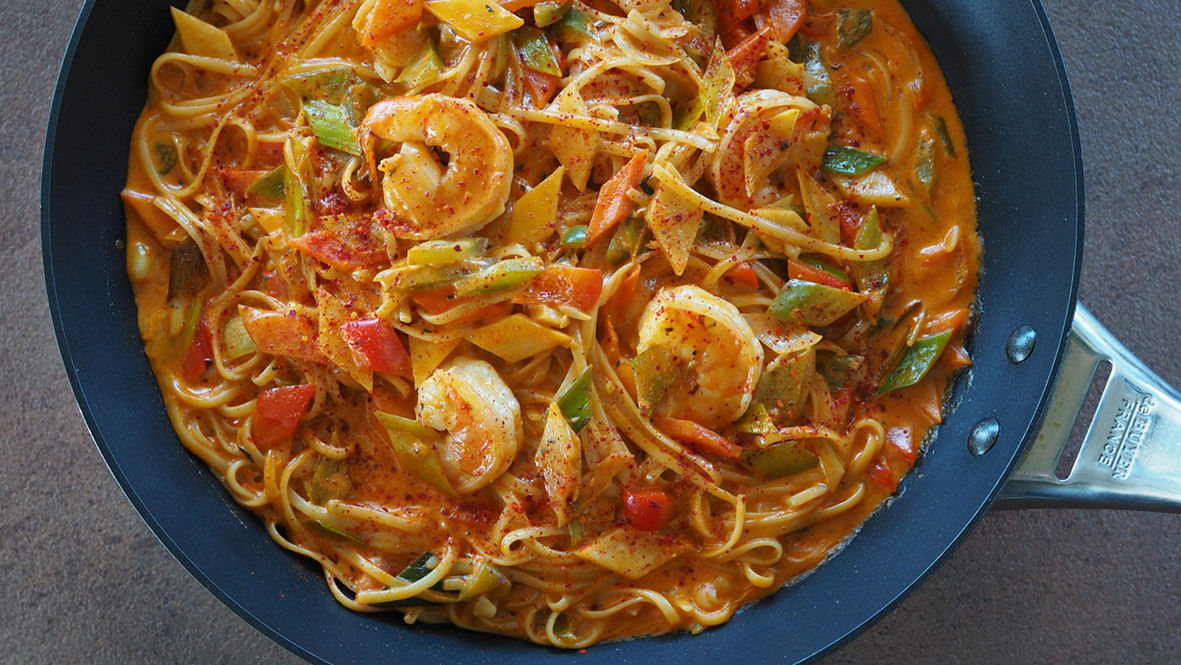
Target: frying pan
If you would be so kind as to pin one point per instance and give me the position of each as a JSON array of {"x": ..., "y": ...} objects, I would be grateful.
[{"x": 1007, "y": 78}]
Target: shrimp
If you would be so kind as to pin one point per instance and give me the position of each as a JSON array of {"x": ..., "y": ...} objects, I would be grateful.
[
  {"x": 713, "y": 345},
  {"x": 433, "y": 200},
  {"x": 766, "y": 130},
  {"x": 481, "y": 416}
]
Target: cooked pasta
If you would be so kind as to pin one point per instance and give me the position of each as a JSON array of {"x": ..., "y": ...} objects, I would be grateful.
[{"x": 573, "y": 320}]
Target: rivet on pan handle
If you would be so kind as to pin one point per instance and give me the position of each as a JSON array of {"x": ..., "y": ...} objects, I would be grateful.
[{"x": 1131, "y": 454}]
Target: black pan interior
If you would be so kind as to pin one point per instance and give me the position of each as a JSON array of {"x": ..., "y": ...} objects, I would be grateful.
[{"x": 1007, "y": 78}]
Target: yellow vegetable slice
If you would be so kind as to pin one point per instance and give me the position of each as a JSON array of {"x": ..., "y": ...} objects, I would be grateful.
[
  {"x": 632, "y": 553},
  {"x": 200, "y": 38},
  {"x": 426, "y": 355},
  {"x": 674, "y": 221},
  {"x": 534, "y": 213},
  {"x": 517, "y": 337},
  {"x": 559, "y": 454},
  {"x": 475, "y": 20}
]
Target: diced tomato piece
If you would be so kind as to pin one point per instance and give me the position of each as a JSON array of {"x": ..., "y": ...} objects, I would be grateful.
[
  {"x": 702, "y": 439},
  {"x": 278, "y": 411},
  {"x": 613, "y": 204},
  {"x": 647, "y": 508},
  {"x": 797, "y": 269},
  {"x": 561, "y": 284},
  {"x": 743, "y": 274},
  {"x": 376, "y": 343},
  {"x": 199, "y": 355},
  {"x": 881, "y": 473}
]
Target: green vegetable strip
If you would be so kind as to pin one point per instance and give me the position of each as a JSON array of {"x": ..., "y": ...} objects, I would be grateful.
[
  {"x": 424, "y": 69},
  {"x": 818, "y": 84},
  {"x": 853, "y": 25},
  {"x": 548, "y": 12},
  {"x": 940, "y": 127},
  {"x": 780, "y": 460},
  {"x": 917, "y": 361},
  {"x": 270, "y": 184},
  {"x": 813, "y": 304},
  {"x": 924, "y": 162},
  {"x": 850, "y": 161},
  {"x": 534, "y": 50},
  {"x": 501, "y": 55},
  {"x": 329, "y": 85},
  {"x": 575, "y": 26},
  {"x": 574, "y": 402},
  {"x": 501, "y": 275},
  {"x": 626, "y": 241},
  {"x": 331, "y": 125},
  {"x": 442, "y": 252},
  {"x": 574, "y": 237},
  {"x": 824, "y": 267},
  {"x": 337, "y": 532}
]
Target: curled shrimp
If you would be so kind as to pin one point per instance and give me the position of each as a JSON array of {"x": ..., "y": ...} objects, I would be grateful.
[
  {"x": 715, "y": 349},
  {"x": 481, "y": 416},
  {"x": 765, "y": 131},
  {"x": 432, "y": 199}
]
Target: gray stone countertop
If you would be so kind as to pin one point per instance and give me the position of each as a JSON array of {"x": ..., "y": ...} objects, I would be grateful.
[{"x": 82, "y": 580}]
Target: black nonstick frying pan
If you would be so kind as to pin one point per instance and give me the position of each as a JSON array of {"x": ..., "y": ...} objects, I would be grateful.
[{"x": 1008, "y": 82}]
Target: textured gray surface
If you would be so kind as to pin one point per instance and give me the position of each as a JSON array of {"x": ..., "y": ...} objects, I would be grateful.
[{"x": 83, "y": 580}]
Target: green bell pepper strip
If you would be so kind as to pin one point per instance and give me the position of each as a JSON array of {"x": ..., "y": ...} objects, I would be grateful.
[
  {"x": 780, "y": 460},
  {"x": 850, "y": 161},
  {"x": 924, "y": 162},
  {"x": 916, "y": 362},
  {"x": 838, "y": 371},
  {"x": 574, "y": 401},
  {"x": 817, "y": 82},
  {"x": 574, "y": 237},
  {"x": 853, "y": 25},
  {"x": 813, "y": 304},
  {"x": 940, "y": 127},
  {"x": 873, "y": 277},
  {"x": 626, "y": 241}
]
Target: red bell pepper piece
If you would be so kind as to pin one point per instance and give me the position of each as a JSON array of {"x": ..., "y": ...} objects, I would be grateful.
[{"x": 278, "y": 411}]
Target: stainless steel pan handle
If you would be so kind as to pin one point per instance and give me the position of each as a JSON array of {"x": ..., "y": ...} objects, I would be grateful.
[{"x": 1131, "y": 453}]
